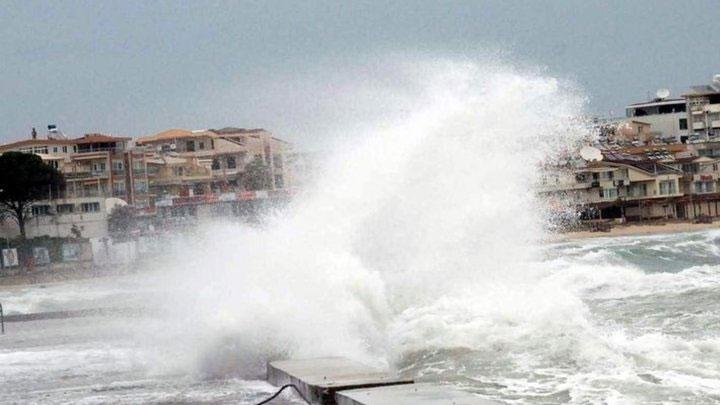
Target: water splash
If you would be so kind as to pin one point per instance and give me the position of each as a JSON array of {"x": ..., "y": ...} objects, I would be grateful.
[{"x": 418, "y": 234}]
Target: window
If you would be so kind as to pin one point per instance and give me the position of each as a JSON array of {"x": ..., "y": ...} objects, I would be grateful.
[
  {"x": 90, "y": 207},
  {"x": 117, "y": 165},
  {"x": 277, "y": 161},
  {"x": 190, "y": 146},
  {"x": 215, "y": 164},
  {"x": 55, "y": 149},
  {"x": 64, "y": 149},
  {"x": 609, "y": 193},
  {"x": 201, "y": 145},
  {"x": 231, "y": 162},
  {"x": 65, "y": 208},
  {"x": 141, "y": 186},
  {"x": 38, "y": 210},
  {"x": 683, "y": 123},
  {"x": 119, "y": 188},
  {"x": 179, "y": 171},
  {"x": 704, "y": 187},
  {"x": 667, "y": 187},
  {"x": 638, "y": 190},
  {"x": 53, "y": 163},
  {"x": 98, "y": 167},
  {"x": 279, "y": 181},
  {"x": 41, "y": 149}
]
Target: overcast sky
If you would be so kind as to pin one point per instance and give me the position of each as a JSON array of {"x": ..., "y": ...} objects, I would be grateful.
[{"x": 136, "y": 68}]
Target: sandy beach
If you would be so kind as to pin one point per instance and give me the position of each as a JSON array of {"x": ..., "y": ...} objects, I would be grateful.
[{"x": 639, "y": 229}]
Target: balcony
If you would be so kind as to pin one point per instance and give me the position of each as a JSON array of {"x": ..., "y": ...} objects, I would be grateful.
[
  {"x": 85, "y": 175},
  {"x": 715, "y": 123},
  {"x": 698, "y": 125}
]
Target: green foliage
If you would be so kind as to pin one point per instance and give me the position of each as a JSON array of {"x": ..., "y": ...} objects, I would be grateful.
[
  {"x": 257, "y": 175},
  {"x": 25, "y": 178},
  {"x": 75, "y": 232},
  {"x": 122, "y": 220}
]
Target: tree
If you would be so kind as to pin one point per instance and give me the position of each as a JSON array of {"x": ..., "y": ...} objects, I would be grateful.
[
  {"x": 257, "y": 175},
  {"x": 24, "y": 179},
  {"x": 121, "y": 220}
]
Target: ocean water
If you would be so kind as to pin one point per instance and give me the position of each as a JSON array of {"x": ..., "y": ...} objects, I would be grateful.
[
  {"x": 626, "y": 320},
  {"x": 420, "y": 246}
]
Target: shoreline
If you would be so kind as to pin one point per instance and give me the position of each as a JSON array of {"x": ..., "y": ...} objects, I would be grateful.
[
  {"x": 55, "y": 276},
  {"x": 619, "y": 230},
  {"x": 669, "y": 227}
]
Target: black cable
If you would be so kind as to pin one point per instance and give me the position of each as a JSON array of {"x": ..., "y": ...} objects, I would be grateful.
[{"x": 265, "y": 401}]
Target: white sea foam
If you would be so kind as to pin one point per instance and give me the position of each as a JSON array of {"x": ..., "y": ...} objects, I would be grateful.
[{"x": 419, "y": 234}]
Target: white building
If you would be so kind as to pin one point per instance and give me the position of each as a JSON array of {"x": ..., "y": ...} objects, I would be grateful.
[
  {"x": 667, "y": 117},
  {"x": 703, "y": 105}
]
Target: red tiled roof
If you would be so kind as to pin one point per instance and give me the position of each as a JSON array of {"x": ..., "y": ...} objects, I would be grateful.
[
  {"x": 99, "y": 138},
  {"x": 171, "y": 134}
]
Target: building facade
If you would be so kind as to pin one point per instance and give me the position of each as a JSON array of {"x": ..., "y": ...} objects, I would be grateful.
[{"x": 173, "y": 173}]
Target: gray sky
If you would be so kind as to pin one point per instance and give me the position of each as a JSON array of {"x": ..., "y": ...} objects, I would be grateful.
[{"x": 136, "y": 68}]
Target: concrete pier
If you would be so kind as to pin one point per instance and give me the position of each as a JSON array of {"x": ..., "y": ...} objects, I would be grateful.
[
  {"x": 320, "y": 379},
  {"x": 412, "y": 394},
  {"x": 340, "y": 381}
]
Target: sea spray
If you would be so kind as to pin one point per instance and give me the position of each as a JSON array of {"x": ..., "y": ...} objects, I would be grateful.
[{"x": 416, "y": 235}]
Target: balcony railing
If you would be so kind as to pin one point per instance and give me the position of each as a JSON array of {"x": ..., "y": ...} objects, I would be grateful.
[{"x": 85, "y": 175}]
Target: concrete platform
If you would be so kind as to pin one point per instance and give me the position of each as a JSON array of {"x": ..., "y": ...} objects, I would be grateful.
[
  {"x": 319, "y": 379},
  {"x": 413, "y": 394}
]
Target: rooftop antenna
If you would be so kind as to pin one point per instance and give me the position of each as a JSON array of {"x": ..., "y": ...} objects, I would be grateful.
[
  {"x": 662, "y": 94},
  {"x": 591, "y": 154}
]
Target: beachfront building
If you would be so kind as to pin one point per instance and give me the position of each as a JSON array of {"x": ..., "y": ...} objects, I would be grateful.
[
  {"x": 204, "y": 173},
  {"x": 703, "y": 107},
  {"x": 93, "y": 167},
  {"x": 623, "y": 186},
  {"x": 666, "y": 116},
  {"x": 629, "y": 187},
  {"x": 225, "y": 153}
]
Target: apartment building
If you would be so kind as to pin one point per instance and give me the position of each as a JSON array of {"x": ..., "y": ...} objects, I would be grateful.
[
  {"x": 703, "y": 106},
  {"x": 95, "y": 167},
  {"x": 639, "y": 183},
  {"x": 198, "y": 174},
  {"x": 667, "y": 117}
]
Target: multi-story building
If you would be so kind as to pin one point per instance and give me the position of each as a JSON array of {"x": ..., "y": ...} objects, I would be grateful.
[
  {"x": 619, "y": 186},
  {"x": 667, "y": 117},
  {"x": 225, "y": 152},
  {"x": 206, "y": 170},
  {"x": 95, "y": 167},
  {"x": 173, "y": 173},
  {"x": 703, "y": 106}
]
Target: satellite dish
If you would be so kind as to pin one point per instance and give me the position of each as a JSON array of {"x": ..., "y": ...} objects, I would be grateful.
[
  {"x": 173, "y": 146},
  {"x": 112, "y": 202},
  {"x": 662, "y": 94},
  {"x": 591, "y": 154},
  {"x": 716, "y": 78}
]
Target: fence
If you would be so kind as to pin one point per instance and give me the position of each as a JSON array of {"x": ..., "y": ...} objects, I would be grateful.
[{"x": 43, "y": 253}]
